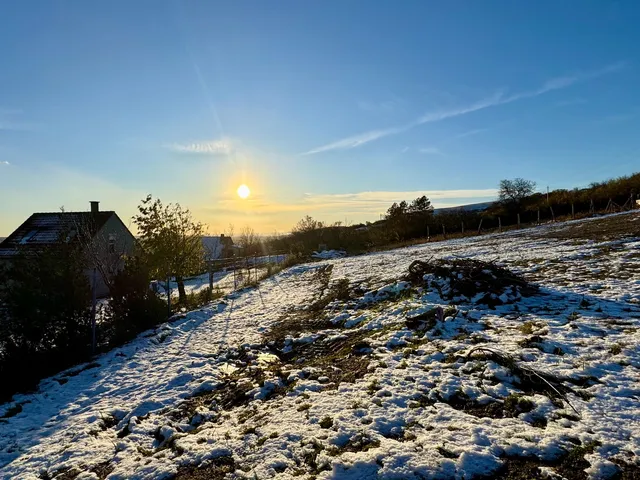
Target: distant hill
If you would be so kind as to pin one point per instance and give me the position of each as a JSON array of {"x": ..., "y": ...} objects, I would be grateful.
[{"x": 472, "y": 207}]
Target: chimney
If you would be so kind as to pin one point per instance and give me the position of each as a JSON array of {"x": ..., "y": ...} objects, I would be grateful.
[{"x": 95, "y": 207}]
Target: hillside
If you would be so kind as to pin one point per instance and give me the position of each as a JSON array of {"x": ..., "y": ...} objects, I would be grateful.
[{"x": 357, "y": 368}]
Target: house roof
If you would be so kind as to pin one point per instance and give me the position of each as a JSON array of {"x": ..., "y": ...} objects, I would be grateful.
[
  {"x": 214, "y": 246},
  {"x": 45, "y": 229}
]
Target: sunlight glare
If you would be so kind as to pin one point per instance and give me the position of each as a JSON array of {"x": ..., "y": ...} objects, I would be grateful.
[{"x": 243, "y": 191}]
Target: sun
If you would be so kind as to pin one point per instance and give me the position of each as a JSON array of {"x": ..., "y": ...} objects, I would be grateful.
[{"x": 243, "y": 191}]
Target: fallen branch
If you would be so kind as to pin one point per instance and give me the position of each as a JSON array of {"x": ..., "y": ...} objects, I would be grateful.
[{"x": 544, "y": 379}]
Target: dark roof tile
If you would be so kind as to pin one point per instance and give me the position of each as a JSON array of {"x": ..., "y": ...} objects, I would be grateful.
[{"x": 43, "y": 229}]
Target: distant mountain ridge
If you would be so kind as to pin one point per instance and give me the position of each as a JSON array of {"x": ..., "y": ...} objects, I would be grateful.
[{"x": 472, "y": 207}]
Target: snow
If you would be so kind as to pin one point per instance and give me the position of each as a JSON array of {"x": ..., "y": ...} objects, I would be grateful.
[
  {"x": 224, "y": 279},
  {"x": 127, "y": 409},
  {"x": 328, "y": 254}
]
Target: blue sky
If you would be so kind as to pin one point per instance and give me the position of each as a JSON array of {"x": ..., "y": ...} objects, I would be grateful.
[{"x": 334, "y": 109}]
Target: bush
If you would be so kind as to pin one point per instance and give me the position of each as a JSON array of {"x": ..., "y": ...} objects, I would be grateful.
[
  {"x": 197, "y": 299},
  {"x": 45, "y": 315},
  {"x": 134, "y": 307}
]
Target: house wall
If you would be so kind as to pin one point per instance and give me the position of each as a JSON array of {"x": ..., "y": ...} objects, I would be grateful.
[{"x": 109, "y": 261}]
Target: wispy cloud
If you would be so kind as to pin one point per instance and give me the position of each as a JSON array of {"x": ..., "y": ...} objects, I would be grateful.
[
  {"x": 499, "y": 98},
  {"x": 357, "y": 140},
  {"x": 4, "y": 162},
  {"x": 430, "y": 151},
  {"x": 10, "y": 120},
  {"x": 469, "y": 133},
  {"x": 211, "y": 147}
]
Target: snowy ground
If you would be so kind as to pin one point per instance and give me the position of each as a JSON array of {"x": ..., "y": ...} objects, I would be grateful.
[
  {"x": 224, "y": 280},
  {"x": 317, "y": 374}
]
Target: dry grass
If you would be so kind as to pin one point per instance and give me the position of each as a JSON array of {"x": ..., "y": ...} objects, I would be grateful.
[{"x": 612, "y": 227}]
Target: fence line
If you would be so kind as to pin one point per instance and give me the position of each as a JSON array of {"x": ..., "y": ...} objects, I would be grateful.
[{"x": 245, "y": 266}]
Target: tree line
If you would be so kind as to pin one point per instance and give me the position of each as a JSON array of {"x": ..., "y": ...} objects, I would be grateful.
[{"x": 518, "y": 202}]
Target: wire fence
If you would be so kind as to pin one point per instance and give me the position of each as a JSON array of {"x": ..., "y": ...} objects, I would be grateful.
[{"x": 244, "y": 270}]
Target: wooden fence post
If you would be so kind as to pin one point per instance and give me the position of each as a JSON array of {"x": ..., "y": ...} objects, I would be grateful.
[
  {"x": 462, "y": 228},
  {"x": 592, "y": 208},
  {"x": 553, "y": 216},
  {"x": 538, "y": 216},
  {"x": 444, "y": 232},
  {"x": 428, "y": 236},
  {"x": 609, "y": 208},
  {"x": 518, "y": 220},
  {"x": 499, "y": 225},
  {"x": 480, "y": 226},
  {"x": 573, "y": 211}
]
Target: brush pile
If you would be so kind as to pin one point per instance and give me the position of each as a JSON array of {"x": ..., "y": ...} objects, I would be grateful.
[{"x": 468, "y": 280}]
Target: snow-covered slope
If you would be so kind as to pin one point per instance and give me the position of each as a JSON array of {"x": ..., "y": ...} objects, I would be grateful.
[{"x": 316, "y": 373}]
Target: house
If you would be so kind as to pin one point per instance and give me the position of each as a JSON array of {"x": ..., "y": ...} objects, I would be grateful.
[
  {"x": 102, "y": 236},
  {"x": 216, "y": 248}
]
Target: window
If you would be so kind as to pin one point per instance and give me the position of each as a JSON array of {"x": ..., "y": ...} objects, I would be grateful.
[
  {"x": 112, "y": 243},
  {"x": 28, "y": 237}
]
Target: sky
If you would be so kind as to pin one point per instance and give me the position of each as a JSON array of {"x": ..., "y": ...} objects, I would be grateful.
[{"x": 334, "y": 109}]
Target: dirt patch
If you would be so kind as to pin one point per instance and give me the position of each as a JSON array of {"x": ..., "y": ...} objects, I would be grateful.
[
  {"x": 216, "y": 470},
  {"x": 512, "y": 406},
  {"x": 297, "y": 323},
  {"x": 311, "y": 318},
  {"x": 538, "y": 342},
  {"x": 343, "y": 359},
  {"x": 602, "y": 229},
  {"x": 339, "y": 290},
  {"x": 570, "y": 466},
  {"x": 228, "y": 395},
  {"x": 102, "y": 470},
  {"x": 629, "y": 470},
  {"x": 361, "y": 442}
]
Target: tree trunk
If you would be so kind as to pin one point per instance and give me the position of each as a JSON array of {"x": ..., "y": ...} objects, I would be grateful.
[{"x": 182, "y": 295}]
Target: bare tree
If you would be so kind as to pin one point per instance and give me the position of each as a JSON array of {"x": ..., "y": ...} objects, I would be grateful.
[
  {"x": 101, "y": 251},
  {"x": 512, "y": 192},
  {"x": 230, "y": 230},
  {"x": 249, "y": 241}
]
